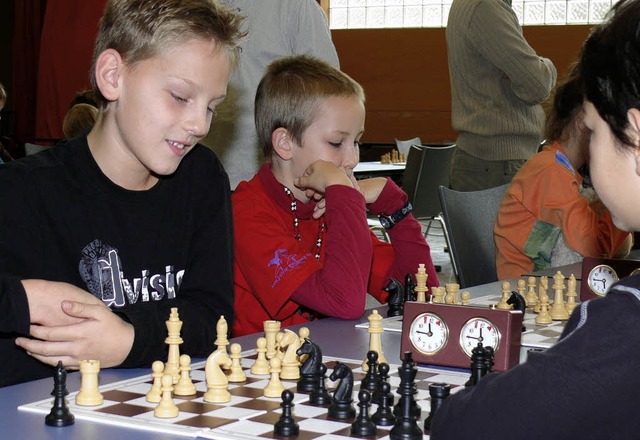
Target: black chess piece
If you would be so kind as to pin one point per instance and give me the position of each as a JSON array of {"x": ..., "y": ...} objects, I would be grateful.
[
  {"x": 478, "y": 365},
  {"x": 320, "y": 395},
  {"x": 372, "y": 378},
  {"x": 415, "y": 408},
  {"x": 310, "y": 369},
  {"x": 519, "y": 303},
  {"x": 60, "y": 414},
  {"x": 383, "y": 376},
  {"x": 363, "y": 426},
  {"x": 342, "y": 403},
  {"x": 395, "y": 301},
  {"x": 489, "y": 357},
  {"x": 384, "y": 415},
  {"x": 409, "y": 288},
  {"x": 438, "y": 392},
  {"x": 406, "y": 427},
  {"x": 286, "y": 426}
]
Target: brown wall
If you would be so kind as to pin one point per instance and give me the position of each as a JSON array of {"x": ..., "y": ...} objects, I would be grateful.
[{"x": 406, "y": 77}]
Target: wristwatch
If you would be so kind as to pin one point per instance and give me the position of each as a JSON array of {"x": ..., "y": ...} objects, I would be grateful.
[{"x": 388, "y": 221}]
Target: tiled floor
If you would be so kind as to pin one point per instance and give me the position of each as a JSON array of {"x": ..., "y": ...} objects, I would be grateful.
[{"x": 438, "y": 255}]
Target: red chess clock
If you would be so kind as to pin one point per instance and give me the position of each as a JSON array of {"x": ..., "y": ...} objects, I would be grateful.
[
  {"x": 598, "y": 274},
  {"x": 445, "y": 334}
]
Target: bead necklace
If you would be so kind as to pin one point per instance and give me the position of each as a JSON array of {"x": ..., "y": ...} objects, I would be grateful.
[{"x": 296, "y": 226}]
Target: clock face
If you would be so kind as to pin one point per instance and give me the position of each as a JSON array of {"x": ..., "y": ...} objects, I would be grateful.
[
  {"x": 428, "y": 333},
  {"x": 479, "y": 330},
  {"x": 601, "y": 278}
]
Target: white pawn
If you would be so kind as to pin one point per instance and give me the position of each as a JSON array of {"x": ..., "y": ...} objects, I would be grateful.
[
  {"x": 274, "y": 388},
  {"x": 543, "y": 317},
  {"x": 261, "y": 366},
  {"x": 236, "y": 374},
  {"x": 530, "y": 298},
  {"x": 155, "y": 393},
  {"x": 185, "y": 386},
  {"x": 506, "y": 293},
  {"x": 166, "y": 409},
  {"x": 465, "y": 296},
  {"x": 89, "y": 394}
]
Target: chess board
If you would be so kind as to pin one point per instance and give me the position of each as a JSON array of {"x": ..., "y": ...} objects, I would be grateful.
[
  {"x": 536, "y": 335},
  {"x": 248, "y": 414}
]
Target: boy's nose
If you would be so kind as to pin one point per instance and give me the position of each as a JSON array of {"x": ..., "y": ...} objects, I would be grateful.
[
  {"x": 350, "y": 159},
  {"x": 197, "y": 124}
]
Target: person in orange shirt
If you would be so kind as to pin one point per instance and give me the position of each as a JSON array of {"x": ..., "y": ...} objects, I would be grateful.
[{"x": 546, "y": 218}]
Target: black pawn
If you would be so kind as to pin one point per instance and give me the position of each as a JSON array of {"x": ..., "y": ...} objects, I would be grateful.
[
  {"x": 395, "y": 301},
  {"x": 409, "y": 288},
  {"x": 371, "y": 380},
  {"x": 438, "y": 392},
  {"x": 363, "y": 426},
  {"x": 383, "y": 376},
  {"x": 59, "y": 415},
  {"x": 384, "y": 415},
  {"x": 320, "y": 395},
  {"x": 478, "y": 365},
  {"x": 286, "y": 426}
]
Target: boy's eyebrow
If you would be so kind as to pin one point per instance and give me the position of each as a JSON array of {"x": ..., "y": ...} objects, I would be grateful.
[{"x": 193, "y": 84}]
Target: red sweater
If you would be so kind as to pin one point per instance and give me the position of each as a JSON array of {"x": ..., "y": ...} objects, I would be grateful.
[{"x": 274, "y": 274}]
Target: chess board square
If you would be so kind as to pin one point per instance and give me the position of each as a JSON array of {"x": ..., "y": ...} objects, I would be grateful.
[
  {"x": 120, "y": 396},
  {"x": 261, "y": 404},
  {"x": 308, "y": 411},
  {"x": 248, "y": 428},
  {"x": 235, "y": 412},
  {"x": 197, "y": 407},
  {"x": 204, "y": 421},
  {"x": 246, "y": 392},
  {"x": 322, "y": 425},
  {"x": 125, "y": 409}
]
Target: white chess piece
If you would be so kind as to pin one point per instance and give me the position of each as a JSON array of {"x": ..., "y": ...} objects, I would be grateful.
[
  {"x": 274, "y": 388},
  {"x": 174, "y": 325},
  {"x": 185, "y": 386},
  {"x": 236, "y": 373},
  {"x": 89, "y": 394},
  {"x": 166, "y": 409},
  {"x": 261, "y": 365},
  {"x": 155, "y": 393},
  {"x": 558, "y": 311},
  {"x": 375, "y": 343}
]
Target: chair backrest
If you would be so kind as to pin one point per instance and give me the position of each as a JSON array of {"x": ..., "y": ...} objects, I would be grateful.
[
  {"x": 412, "y": 171},
  {"x": 433, "y": 172},
  {"x": 469, "y": 218}
]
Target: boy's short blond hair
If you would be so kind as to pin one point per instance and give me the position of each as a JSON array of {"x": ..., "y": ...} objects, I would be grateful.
[
  {"x": 291, "y": 92},
  {"x": 141, "y": 29}
]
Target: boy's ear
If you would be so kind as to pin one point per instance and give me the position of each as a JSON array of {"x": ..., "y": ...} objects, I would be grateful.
[
  {"x": 108, "y": 70},
  {"x": 282, "y": 145}
]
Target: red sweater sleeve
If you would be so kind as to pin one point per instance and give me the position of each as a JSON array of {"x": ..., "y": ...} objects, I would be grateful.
[
  {"x": 339, "y": 288},
  {"x": 408, "y": 246}
]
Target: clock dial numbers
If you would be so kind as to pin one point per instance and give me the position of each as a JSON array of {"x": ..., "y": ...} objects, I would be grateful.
[
  {"x": 479, "y": 330},
  {"x": 428, "y": 333},
  {"x": 601, "y": 278}
]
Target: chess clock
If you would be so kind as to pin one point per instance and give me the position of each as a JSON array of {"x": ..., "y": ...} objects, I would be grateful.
[
  {"x": 445, "y": 334},
  {"x": 598, "y": 274}
]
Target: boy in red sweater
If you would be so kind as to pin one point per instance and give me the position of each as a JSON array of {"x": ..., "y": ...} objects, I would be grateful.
[{"x": 303, "y": 248}]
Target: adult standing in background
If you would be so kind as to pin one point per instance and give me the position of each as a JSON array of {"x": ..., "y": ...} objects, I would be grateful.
[
  {"x": 497, "y": 85},
  {"x": 276, "y": 28}
]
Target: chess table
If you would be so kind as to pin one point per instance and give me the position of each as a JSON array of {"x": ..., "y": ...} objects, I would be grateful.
[{"x": 337, "y": 338}]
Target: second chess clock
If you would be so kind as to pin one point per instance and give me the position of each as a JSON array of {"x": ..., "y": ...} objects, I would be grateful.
[{"x": 445, "y": 334}]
